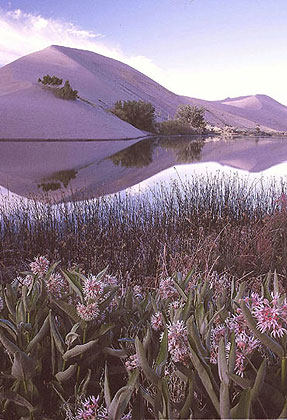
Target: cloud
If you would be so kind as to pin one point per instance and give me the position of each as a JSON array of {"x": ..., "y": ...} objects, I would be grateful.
[{"x": 22, "y": 33}]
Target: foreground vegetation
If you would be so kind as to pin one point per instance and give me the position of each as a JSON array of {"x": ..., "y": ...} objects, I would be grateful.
[
  {"x": 209, "y": 222},
  {"x": 81, "y": 346}
]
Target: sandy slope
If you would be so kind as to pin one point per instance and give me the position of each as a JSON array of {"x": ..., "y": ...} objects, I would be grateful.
[{"x": 29, "y": 111}]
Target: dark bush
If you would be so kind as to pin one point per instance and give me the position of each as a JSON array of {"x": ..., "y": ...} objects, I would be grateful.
[
  {"x": 191, "y": 115},
  {"x": 140, "y": 114},
  {"x": 48, "y": 80},
  {"x": 172, "y": 127},
  {"x": 66, "y": 92}
]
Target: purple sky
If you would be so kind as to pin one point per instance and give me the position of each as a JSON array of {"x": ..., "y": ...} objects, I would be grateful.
[{"x": 209, "y": 49}]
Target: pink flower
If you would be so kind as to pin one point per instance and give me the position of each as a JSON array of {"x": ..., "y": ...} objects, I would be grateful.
[
  {"x": 88, "y": 312},
  {"x": 167, "y": 289},
  {"x": 111, "y": 281},
  {"x": 157, "y": 321},
  {"x": 56, "y": 285},
  {"x": 40, "y": 266},
  {"x": 178, "y": 345},
  {"x": 93, "y": 288},
  {"x": 132, "y": 362}
]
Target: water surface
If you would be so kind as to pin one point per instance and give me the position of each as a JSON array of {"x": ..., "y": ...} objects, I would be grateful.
[{"x": 72, "y": 170}]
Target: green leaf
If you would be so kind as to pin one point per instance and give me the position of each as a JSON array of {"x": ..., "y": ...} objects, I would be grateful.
[
  {"x": 121, "y": 399},
  {"x": 162, "y": 355},
  {"x": 17, "y": 399},
  {"x": 107, "y": 391},
  {"x": 115, "y": 352},
  {"x": 70, "y": 310},
  {"x": 74, "y": 283},
  {"x": 56, "y": 335},
  {"x": 222, "y": 363},
  {"x": 148, "y": 371},
  {"x": 243, "y": 408},
  {"x": 9, "y": 346},
  {"x": 187, "y": 407},
  {"x": 264, "y": 338},
  {"x": 82, "y": 390},
  {"x": 195, "y": 336},
  {"x": 39, "y": 336},
  {"x": 259, "y": 381},
  {"x": 205, "y": 379},
  {"x": 232, "y": 355},
  {"x": 79, "y": 349},
  {"x": 9, "y": 326},
  {"x": 23, "y": 366},
  {"x": 67, "y": 374},
  {"x": 224, "y": 401},
  {"x": 242, "y": 382}
]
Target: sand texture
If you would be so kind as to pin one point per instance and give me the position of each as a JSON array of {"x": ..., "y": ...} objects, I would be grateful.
[{"x": 29, "y": 111}]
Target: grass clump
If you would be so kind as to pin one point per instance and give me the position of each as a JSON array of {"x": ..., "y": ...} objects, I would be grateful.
[{"x": 218, "y": 222}]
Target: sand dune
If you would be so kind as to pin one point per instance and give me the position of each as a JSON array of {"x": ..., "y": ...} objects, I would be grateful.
[{"x": 27, "y": 110}]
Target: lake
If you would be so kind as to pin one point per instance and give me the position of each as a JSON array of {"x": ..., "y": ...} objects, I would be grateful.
[{"x": 73, "y": 170}]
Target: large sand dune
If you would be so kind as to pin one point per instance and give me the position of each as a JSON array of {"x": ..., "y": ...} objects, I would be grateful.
[{"x": 27, "y": 110}]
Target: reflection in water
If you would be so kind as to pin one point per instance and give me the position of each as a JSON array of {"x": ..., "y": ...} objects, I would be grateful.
[
  {"x": 136, "y": 156},
  {"x": 63, "y": 176},
  {"x": 142, "y": 153},
  {"x": 69, "y": 170}
]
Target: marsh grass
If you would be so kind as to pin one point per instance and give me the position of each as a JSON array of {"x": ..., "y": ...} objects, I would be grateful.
[{"x": 214, "y": 222}]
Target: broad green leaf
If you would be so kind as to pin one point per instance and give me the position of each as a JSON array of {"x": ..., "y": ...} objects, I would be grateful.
[
  {"x": 224, "y": 401},
  {"x": 40, "y": 335},
  {"x": 243, "y": 408},
  {"x": 162, "y": 355},
  {"x": 23, "y": 366},
  {"x": 259, "y": 381},
  {"x": 148, "y": 371},
  {"x": 205, "y": 379},
  {"x": 79, "y": 349},
  {"x": 67, "y": 374}
]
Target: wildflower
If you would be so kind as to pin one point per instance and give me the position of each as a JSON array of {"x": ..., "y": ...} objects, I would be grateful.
[
  {"x": 176, "y": 304},
  {"x": 88, "y": 312},
  {"x": 26, "y": 281},
  {"x": 178, "y": 345},
  {"x": 157, "y": 321},
  {"x": 56, "y": 286},
  {"x": 40, "y": 266},
  {"x": 132, "y": 362},
  {"x": 216, "y": 334},
  {"x": 167, "y": 289},
  {"x": 271, "y": 317},
  {"x": 93, "y": 288},
  {"x": 1, "y": 304},
  {"x": 90, "y": 410}
]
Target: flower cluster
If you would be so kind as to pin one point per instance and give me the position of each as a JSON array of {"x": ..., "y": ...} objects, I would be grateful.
[
  {"x": 167, "y": 289},
  {"x": 40, "y": 266},
  {"x": 93, "y": 289},
  {"x": 245, "y": 340},
  {"x": 271, "y": 316},
  {"x": 178, "y": 345},
  {"x": 90, "y": 409},
  {"x": 56, "y": 286},
  {"x": 217, "y": 334},
  {"x": 1, "y": 304},
  {"x": 157, "y": 321},
  {"x": 88, "y": 311},
  {"x": 132, "y": 362}
]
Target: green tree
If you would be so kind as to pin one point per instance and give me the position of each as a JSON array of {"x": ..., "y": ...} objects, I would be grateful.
[
  {"x": 140, "y": 114},
  {"x": 192, "y": 115},
  {"x": 66, "y": 92}
]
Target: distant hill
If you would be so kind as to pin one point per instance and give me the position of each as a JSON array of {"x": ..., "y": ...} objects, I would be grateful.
[{"x": 29, "y": 111}]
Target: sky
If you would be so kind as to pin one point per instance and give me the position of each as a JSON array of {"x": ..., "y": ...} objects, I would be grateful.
[{"x": 208, "y": 49}]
